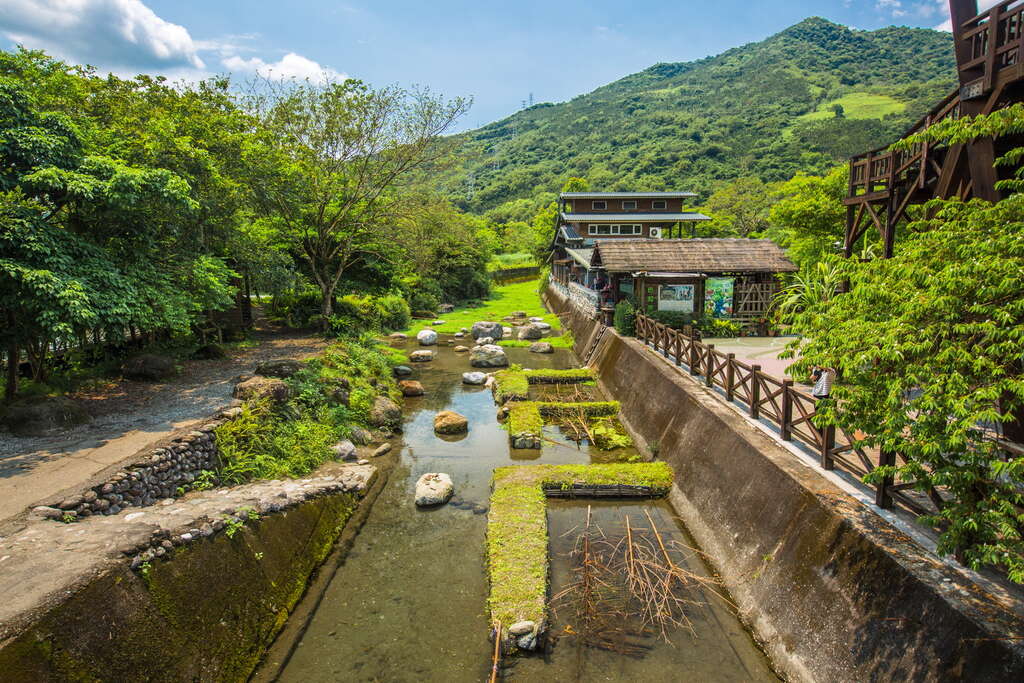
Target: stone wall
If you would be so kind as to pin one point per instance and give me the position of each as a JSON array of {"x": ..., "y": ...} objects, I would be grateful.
[
  {"x": 166, "y": 471},
  {"x": 832, "y": 590}
]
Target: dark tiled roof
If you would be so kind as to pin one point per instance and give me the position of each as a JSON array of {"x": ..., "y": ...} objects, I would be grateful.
[
  {"x": 655, "y": 217},
  {"x": 627, "y": 195},
  {"x": 709, "y": 255}
]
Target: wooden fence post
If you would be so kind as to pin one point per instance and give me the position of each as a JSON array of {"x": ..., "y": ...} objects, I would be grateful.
[
  {"x": 755, "y": 391},
  {"x": 695, "y": 357},
  {"x": 709, "y": 366},
  {"x": 828, "y": 442},
  {"x": 787, "y": 410},
  {"x": 679, "y": 349},
  {"x": 730, "y": 376},
  {"x": 882, "y": 497}
]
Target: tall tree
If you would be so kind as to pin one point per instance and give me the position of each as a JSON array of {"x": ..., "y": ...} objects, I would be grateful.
[{"x": 339, "y": 152}]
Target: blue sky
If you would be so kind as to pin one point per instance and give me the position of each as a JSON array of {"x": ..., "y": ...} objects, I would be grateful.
[{"x": 497, "y": 53}]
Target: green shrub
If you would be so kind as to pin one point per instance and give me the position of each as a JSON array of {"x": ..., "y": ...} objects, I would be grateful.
[
  {"x": 295, "y": 308},
  {"x": 291, "y": 440},
  {"x": 719, "y": 327},
  {"x": 624, "y": 318},
  {"x": 355, "y": 315},
  {"x": 394, "y": 312}
]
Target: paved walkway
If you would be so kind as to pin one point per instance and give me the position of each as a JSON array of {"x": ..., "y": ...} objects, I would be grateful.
[
  {"x": 763, "y": 351},
  {"x": 126, "y": 417}
]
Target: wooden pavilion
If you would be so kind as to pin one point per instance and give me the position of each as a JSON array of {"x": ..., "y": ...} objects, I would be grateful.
[{"x": 720, "y": 277}]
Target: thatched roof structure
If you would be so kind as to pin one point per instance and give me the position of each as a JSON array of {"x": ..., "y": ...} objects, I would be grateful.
[{"x": 705, "y": 255}]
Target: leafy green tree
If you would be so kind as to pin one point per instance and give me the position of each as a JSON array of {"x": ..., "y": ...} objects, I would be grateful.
[
  {"x": 737, "y": 209},
  {"x": 809, "y": 218},
  {"x": 928, "y": 349},
  {"x": 335, "y": 155}
]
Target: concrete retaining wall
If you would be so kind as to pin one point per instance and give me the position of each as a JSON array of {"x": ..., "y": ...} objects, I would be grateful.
[
  {"x": 832, "y": 590},
  {"x": 206, "y": 609}
]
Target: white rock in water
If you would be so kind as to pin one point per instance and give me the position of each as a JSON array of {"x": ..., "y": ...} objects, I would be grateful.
[
  {"x": 536, "y": 319},
  {"x": 530, "y": 332},
  {"x": 543, "y": 325},
  {"x": 473, "y": 378},
  {"x": 426, "y": 337},
  {"x": 488, "y": 356},
  {"x": 421, "y": 356},
  {"x": 434, "y": 488},
  {"x": 486, "y": 329},
  {"x": 483, "y": 341},
  {"x": 521, "y": 628}
]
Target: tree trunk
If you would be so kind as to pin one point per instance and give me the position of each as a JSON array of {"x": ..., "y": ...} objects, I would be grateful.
[{"x": 326, "y": 305}]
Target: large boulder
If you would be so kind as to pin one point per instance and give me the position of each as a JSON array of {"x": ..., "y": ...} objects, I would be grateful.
[
  {"x": 258, "y": 387},
  {"x": 401, "y": 370},
  {"x": 421, "y": 356},
  {"x": 361, "y": 436},
  {"x": 531, "y": 331},
  {"x": 411, "y": 387},
  {"x": 486, "y": 328},
  {"x": 541, "y": 347},
  {"x": 281, "y": 368},
  {"x": 450, "y": 422},
  {"x": 445, "y": 308},
  {"x": 474, "y": 378},
  {"x": 344, "y": 450},
  {"x": 488, "y": 356},
  {"x": 434, "y": 488},
  {"x": 385, "y": 413},
  {"x": 148, "y": 367},
  {"x": 32, "y": 418},
  {"x": 484, "y": 341},
  {"x": 426, "y": 337}
]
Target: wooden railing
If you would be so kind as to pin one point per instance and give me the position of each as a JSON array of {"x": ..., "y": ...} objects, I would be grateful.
[
  {"x": 990, "y": 42},
  {"x": 874, "y": 173},
  {"x": 778, "y": 402}
]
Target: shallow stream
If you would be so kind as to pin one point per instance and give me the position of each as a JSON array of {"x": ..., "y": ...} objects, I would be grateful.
[{"x": 409, "y": 602}]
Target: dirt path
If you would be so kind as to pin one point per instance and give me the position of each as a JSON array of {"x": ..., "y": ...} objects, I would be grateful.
[{"x": 126, "y": 417}]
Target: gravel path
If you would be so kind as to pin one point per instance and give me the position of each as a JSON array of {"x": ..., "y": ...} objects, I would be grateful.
[{"x": 126, "y": 417}]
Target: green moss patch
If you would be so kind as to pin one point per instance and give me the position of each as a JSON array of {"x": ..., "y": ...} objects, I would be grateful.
[
  {"x": 514, "y": 384},
  {"x": 517, "y": 534}
]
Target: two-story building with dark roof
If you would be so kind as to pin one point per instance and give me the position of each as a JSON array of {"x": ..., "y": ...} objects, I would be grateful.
[
  {"x": 585, "y": 218},
  {"x": 613, "y": 245}
]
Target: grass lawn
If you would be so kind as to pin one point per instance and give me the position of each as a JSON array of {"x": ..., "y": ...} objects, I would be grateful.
[
  {"x": 504, "y": 299},
  {"x": 858, "y": 105}
]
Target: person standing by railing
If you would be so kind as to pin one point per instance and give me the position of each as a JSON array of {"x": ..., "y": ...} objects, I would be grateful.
[{"x": 823, "y": 379}]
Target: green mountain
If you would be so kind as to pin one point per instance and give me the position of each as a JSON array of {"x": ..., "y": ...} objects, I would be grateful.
[{"x": 804, "y": 99}]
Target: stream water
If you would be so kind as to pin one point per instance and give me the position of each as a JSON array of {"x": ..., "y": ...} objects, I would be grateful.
[{"x": 409, "y": 602}]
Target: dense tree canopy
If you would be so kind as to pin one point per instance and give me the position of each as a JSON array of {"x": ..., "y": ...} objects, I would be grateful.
[{"x": 928, "y": 349}]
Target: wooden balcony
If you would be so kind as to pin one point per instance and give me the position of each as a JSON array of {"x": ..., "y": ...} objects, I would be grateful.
[{"x": 989, "y": 49}]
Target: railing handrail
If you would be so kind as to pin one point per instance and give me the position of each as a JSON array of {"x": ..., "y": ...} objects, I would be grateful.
[{"x": 768, "y": 397}]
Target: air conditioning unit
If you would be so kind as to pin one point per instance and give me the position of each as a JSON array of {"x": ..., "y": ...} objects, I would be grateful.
[{"x": 655, "y": 233}]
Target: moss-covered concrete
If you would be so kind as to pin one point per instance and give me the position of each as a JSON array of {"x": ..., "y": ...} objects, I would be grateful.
[
  {"x": 206, "y": 614},
  {"x": 517, "y": 530}
]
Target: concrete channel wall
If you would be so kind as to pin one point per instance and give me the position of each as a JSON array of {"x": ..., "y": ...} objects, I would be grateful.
[
  {"x": 206, "y": 609},
  {"x": 832, "y": 590}
]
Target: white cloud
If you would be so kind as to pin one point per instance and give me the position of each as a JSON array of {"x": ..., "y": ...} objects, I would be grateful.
[
  {"x": 116, "y": 34},
  {"x": 290, "y": 66},
  {"x": 127, "y": 37},
  {"x": 943, "y": 7}
]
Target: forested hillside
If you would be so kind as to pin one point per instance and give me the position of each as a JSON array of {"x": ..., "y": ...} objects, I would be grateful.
[{"x": 799, "y": 101}]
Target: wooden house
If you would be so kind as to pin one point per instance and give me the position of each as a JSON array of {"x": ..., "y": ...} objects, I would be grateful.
[
  {"x": 719, "y": 277},
  {"x": 586, "y": 218}
]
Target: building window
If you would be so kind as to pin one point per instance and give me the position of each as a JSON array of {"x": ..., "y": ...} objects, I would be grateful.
[
  {"x": 629, "y": 205},
  {"x": 599, "y": 206},
  {"x": 600, "y": 229},
  {"x": 659, "y": 204}
]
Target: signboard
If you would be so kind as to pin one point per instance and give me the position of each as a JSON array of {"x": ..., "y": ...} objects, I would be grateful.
[
  {"x": 675, "y": 298},
  {"x": 718, "y": 297}
]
